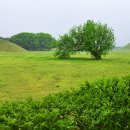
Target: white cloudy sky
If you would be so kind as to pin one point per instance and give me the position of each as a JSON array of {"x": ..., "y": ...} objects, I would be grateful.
[{"x": 58, "y": 16}]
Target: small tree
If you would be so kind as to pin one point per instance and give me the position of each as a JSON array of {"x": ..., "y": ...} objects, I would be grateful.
[{"x": 92, "y": 37}]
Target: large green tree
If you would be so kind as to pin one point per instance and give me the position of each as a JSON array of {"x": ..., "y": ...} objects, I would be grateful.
[
  {"x": 92, "y": 37},
  {"x": 70, "y": 43},
  {"x": 98, "y": 38},
  {"x": 34, "y": 42}
]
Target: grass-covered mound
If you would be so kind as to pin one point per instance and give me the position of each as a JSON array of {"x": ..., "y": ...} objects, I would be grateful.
[
  {"x": 103, "y": 104},
  {"x": 127, "y": 46},
  {"x": 9, "y": 46}
]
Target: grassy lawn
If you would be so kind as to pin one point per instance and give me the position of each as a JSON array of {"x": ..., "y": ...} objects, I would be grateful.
[{"x": 36, "y": 74}]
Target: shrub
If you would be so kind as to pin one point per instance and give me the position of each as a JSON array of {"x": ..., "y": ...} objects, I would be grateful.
[{"x": 104, "y": 104}]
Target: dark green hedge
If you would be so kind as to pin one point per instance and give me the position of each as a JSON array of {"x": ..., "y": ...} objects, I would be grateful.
[{"x": 103, "y": 104}]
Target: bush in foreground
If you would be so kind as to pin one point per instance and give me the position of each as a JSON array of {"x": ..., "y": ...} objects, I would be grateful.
[{"x": 104, "y": 104}]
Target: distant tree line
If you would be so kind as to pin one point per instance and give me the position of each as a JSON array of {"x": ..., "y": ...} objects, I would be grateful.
[{"x": 34, "y": 41}]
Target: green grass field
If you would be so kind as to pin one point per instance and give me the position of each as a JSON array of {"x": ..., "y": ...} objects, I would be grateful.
[{"x": 36, "y": 74}]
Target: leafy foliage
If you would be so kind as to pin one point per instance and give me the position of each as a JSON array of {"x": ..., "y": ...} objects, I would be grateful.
[
  {"x": 34, "y": 42},
  {"x": 104, "y": 104},
  {"x": 99, "y": 38},
  {"x": 92, "y": 37},
  {"x": 64, "y": 50}
]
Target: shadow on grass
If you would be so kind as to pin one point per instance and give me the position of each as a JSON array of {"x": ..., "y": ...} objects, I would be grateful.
[
  {"x": 82, "y": 58},
  {"x": 72, "y": 59},
  {"x": 77, "y": 59},
  {"x": 87, "y": 59}
]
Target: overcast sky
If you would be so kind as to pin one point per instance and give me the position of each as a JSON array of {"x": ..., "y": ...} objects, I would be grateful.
[{"x": 58, "y": 16}]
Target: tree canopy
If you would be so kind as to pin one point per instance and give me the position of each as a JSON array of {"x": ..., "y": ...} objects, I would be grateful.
[
  {"x": 34, "y": 42},
  {"x": 92, "y": 37}
]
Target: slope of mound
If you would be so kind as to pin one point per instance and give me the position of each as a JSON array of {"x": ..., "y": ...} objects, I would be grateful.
[
  {"x": 127, "y": 46},
  {"x": 9, "y": 46}
]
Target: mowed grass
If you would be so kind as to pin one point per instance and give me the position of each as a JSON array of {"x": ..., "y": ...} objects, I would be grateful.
[{"x": 37, "y": 74}]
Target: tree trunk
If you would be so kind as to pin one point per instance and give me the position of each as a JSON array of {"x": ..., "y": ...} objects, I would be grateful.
[{"x": 98, "y": 57}]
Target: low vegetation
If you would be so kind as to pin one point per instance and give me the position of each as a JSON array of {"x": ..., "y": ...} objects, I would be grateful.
[{"x": 103, "y": 104}]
